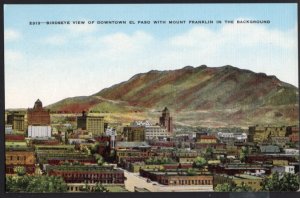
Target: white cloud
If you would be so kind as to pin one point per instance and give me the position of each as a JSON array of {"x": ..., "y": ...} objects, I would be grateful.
[
  {"x": 257, "y": 34},
  {"x": 13, "y": 57},
  {"x": 120, "y": 43},
  {"x": 11, "y": 35},
  {"x": 55, "y": 40}
]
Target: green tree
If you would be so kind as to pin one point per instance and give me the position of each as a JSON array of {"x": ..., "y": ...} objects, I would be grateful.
[
  {"x": 17, "y": 183},
  {"x": 199, "y": 162},
  {"x": 271, "y": 183},
  {"x": 243, "y": 188},
  {"x": 208, "y": 153},
  {"x": 225, "y": 187},
  {"x": 35, "y": 184},
  {"x": 84, "y": 188},
  {"x": 148, "y": 161},
  {"x": 156, "y": 160},
  {"x": 39, "y": 184},
  {"x": 100, "y": 188},
  {"x": 277, "y": 183},
  {"x": 99, "y": 159},
  {"x": 191, "y": 172},
  {"x": 289, "y": 182},
  {"x": 20, "y": 170},
  {"x": 243, "y": 153},
  {"x": 95, "y": 148},
  {"x": 76, "y": 162}
]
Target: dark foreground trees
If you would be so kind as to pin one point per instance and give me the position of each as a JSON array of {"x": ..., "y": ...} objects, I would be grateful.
[
  {"x": 226, "y": 187},
  {"x": 279, "y": 183},
  {"x": 35, "y": 184},
  {"x": 286, "y": 182}
]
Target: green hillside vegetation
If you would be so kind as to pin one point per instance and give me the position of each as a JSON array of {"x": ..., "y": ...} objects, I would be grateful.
[{"x": 202, "y": 95}]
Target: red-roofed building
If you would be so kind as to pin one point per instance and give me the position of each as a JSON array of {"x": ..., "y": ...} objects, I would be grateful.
[
  {"x": 14, "y": 138},
  {"x": 294, "y": 137}
]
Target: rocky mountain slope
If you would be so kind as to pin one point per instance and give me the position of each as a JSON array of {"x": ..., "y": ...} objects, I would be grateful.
[{"x": 211, "y": 96}]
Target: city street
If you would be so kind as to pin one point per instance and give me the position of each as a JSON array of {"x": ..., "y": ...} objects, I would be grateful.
[{"x": 134, "y": 180}]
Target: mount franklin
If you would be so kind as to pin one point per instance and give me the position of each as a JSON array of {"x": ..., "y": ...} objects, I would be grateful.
[{"x": 196, "y": 96}]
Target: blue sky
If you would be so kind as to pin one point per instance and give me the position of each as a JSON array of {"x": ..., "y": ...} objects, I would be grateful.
[{"x": 54, "y": 62}]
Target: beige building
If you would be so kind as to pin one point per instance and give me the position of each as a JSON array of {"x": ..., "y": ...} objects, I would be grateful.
[
  {"x": 17, "y": 120},
  {"x": 239, "y": 179},
  {"x": 92, "y": 124},
  {"x": 156, "y": 132},
  {"x": 134, "y": 133},
  {"x": 261, "y": 134}
]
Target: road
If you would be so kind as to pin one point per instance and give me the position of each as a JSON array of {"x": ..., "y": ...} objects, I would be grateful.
[{"x": 134, "y": 180}]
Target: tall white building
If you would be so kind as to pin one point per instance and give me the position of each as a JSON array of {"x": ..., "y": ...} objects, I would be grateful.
[
  {"x": 141, "y": 123},
  {"x": 152, "y": 131},
  {"x": 156, "y": 132},
  {"x": 112, "y": 133}
]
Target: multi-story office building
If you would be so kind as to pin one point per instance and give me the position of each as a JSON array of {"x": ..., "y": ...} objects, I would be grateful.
[
  {"x": 230, "y": 137},
  {"x": 38, "y": 115},
  {"x": 156, "y": 132},
  {"x": 55, "y": 158},
  {"x": 166, "y": 120},
  {"x": 152, "y": 132},
  {"x": 134, "y": 133},
  {"x": 260, "y": 134},
  {"x": 19, "y": 156},
  {"x": 177, "y": 177},
  {"x": 87, "y": 173},
  {"x": 239, "y": 179},
  {"x": 17, "y": 120},
  {"x": 93, "y": 124},
  {"x": 38, "y": 121}
]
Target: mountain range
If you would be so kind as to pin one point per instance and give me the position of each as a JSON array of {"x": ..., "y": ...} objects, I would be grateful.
[{"x": 196, "y": 96}]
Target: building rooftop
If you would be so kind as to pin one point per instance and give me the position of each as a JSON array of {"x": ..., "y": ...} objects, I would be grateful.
[
  {"x": 269, "y": 149},
  {"x": 17, "y": 146},
  {"x": 207, "y": 137},
  {"x": 54, "y": 147},
  {"x": 246, "y": 176},
  {"x": 82, "y": 168},
  {"x": 176, "y": 172},
  {"x": 133, "y": 144},
  {"x": 239, "y": 176},
  {"x": 141, "y": 123}
]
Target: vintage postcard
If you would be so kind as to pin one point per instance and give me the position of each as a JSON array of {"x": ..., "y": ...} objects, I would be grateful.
[{"x": 151, "y": 98}]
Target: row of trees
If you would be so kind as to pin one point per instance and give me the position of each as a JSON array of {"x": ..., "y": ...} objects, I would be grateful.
[{"x": 157, "y": 160}]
